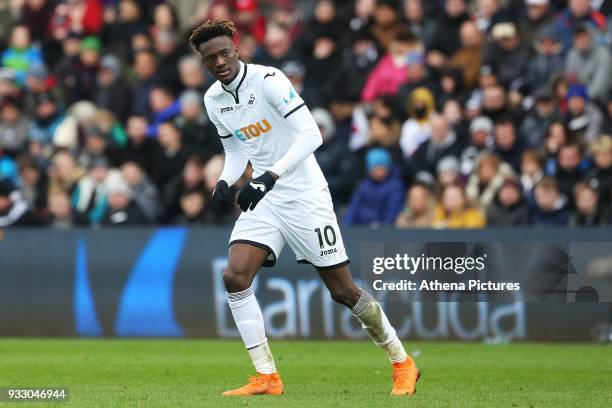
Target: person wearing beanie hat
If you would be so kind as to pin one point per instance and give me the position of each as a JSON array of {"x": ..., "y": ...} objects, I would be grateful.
[
  {"x": 122, "y": 210},
  {"x": 448, "y": 170},
  {"x": 583, "y": 116},
  {"x": 378, "y": 199}
]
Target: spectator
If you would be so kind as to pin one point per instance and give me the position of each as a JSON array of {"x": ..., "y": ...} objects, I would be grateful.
[
  {"x": 548, "y": 60},
  {"x": 199, "y": 134},
  {"x": 249, "y": 20},
  {"x": 453, "y": 211},
  {"x": 169, "y": 52},
  {"x": 583, "y": 116},
  {"x": 507, "y": 55},
  {"x": 192, "y": 74},
  {"x": 378, "y": 199},
  {"x": 599, "y": 176},
  {"x": 589, "y": 64},
  {"x": 392, "y": 70},
  {"x": 13, "y": 127},
  {"x": 487, "y": 179},
  {"x": 386, "y": 24},
  {"x": 532, "y": 171},
  {"x": 419, "y": 76},
  {"x": 90, "y": 197},
  {"x": 539, "y": 14},
  {"x": 549, "y": 207},
  {"x": 13, "y": 208},
  {"x": 33, "y": 187},
  {"x": 277, "y": 47},
  {"x": 509, "y": 208},
  {"x": 80, "y": 82},
  {"x": 47, "y": 118},
  {"x": 588, "y": 211},
  {"x": 507, "y": 144},
  {"x": 541, "y": 116},
  {"x": 468, "y": 57},
  {"x": 556, "y": 136},
  {"x": 420, "y": 25},
  {"x": 481, "y": 141},
  {"x": 145, "y": 68},
  {"x": 144, "y": 193},
  {"x": 417, "y": 129},
  {"x": 121, "y": 209},
  {"x": 579, "y": 13},
  {"x": 447, "y": 39},
  {"x": 191, "y": 179},
  {"x": 61, "y": 216},
  {"x": 336, "y": 162},
  {"x": 165, "y": 107},
  {"x": 171, "y": 157},
  {"x": 20, "y": 55},
  {"x": 193, "y": 209},
  {"x": 448, "y": 171},
  {"x": 570, "y": 168},
  {"x": 64, "y": 173},
  {"x": 140, "y": 148},
  {"x": 36, "y": 16},
  {"x": 443, "y": 142},
  {"x": 112, "y": 91},
  {"x": 129, "y": 22},
  {"x": 419, "y": 209}
]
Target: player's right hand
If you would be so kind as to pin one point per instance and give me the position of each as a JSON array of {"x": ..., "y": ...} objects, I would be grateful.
[{"x": 223, "y": 194}]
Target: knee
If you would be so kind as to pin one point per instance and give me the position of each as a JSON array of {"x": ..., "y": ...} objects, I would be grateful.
[
  {"x": 347, "y": 296},
  {"x": 237, "y": 277}
]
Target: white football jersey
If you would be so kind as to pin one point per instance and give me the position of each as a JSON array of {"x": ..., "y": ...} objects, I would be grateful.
[{"x": 250, "y": 115}]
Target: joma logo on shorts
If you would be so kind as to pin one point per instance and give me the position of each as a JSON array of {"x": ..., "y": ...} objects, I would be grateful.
[
  {"x": 328, "y": 251},
  {"x": 253, "y": 130},
  {"x": 228, "y": 109}
]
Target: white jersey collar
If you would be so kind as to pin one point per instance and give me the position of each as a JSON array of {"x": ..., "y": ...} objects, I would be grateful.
[{"x": 232, "y": 86}]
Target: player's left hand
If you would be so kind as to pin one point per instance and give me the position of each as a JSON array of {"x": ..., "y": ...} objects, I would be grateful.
[{"x": 254, "y": 191}]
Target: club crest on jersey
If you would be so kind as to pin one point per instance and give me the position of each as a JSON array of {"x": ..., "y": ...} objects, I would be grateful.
[{"x": 253, "y": 130}]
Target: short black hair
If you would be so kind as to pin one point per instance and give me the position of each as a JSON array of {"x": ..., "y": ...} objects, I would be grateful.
[{"x": 211, "y": 29}]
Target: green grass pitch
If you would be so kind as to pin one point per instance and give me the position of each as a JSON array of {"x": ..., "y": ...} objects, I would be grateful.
[{"x": 193, "y": 373}]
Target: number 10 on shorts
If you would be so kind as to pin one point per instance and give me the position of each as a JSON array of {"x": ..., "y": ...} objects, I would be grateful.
[{"x": 328, "y": 234}]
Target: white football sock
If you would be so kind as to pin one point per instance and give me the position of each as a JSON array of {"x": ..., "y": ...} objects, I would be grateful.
[
  {"x": 374, "y": 321},
  {"x": 250, "y": 323}
]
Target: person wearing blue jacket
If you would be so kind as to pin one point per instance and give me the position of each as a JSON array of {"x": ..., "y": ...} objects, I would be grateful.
[{"x": 379, "y": 198}]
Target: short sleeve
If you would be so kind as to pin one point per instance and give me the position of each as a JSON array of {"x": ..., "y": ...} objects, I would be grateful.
[
  {"x": 279, "y": 92},
  {"x": 210, "y": 111}
]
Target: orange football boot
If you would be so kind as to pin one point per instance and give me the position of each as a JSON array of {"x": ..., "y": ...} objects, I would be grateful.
[
  {"x": 260, "y": 384},
  {"x": 405, "y": 377}
]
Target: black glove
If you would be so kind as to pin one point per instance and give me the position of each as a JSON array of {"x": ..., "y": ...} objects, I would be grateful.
[
  {"x": 222, "y": 195},
  {"x": 254, "y": 191}
]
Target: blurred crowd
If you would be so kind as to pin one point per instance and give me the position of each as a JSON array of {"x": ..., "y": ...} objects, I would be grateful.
[{"x": 439, "y": 113}]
